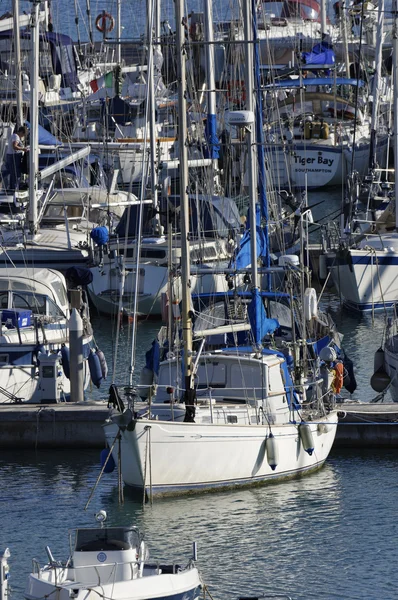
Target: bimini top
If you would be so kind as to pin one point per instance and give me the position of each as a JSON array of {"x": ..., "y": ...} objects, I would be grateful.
[
  {"x": 46, "y": 282},
  {"x": 107, "y": 539},
  {"x": 295, "y": 83}
]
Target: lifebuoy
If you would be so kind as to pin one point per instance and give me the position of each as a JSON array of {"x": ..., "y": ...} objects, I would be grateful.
[
  {"x": 338, "y": 379},
  {"x": 105, "y": 22},
  {"x": 310, "y": 304},
  {"x": 236, "y": 92}
]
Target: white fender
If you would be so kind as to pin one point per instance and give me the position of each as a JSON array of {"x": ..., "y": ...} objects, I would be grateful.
[
  {"x": 310, "y": 304},
  {"x": 306, "y": 437},
  {"x": 272, "y": 451}
]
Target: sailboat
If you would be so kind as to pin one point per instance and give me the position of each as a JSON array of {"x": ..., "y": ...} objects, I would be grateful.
[
  {"x": 364, "y": 265},
  {"x": 239, "y": 417}
]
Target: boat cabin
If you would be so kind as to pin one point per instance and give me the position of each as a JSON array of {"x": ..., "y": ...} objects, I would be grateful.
[
  {"x": 103, "y": 555},
  {"x": 43, "y": 292}
]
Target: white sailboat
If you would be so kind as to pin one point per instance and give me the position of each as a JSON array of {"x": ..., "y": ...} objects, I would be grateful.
[
  {"x": 231, "y": 417},
  {"x": 364, "y": 266}
]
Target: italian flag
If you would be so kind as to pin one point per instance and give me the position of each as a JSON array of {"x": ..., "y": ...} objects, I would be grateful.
[{"x": 104, "y": 81}]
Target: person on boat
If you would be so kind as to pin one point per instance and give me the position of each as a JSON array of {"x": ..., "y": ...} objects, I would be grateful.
[{"x": 15, "y": 150}]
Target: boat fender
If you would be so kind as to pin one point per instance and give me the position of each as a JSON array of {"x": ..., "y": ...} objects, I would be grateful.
[
  {"x": 378, "y": 360},
  {"x": 103, "y": 363},
  {"x": 306, "y": 437},
  {"x": 95, "y": 368},
  {"x": 105, "y": 22},
  {"x": 110, "y": 465},
  {"x": 65, "y": 356},
  {"x": 380, "y": 380},
  {"x": 272, "y": 451},
  {"x": 349, "y": 380},
  {"x": 338, "y": 377},
  {"x": 310, "y": 304},
  {"x": 323, "y": 270}
]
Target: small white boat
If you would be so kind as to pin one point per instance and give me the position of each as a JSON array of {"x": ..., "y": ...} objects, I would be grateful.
[
  {"x": 34, "y": 336},
  {"x": 112, "y": 563}
]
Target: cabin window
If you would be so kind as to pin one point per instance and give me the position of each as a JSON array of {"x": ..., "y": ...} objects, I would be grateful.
[
  {"x": 244, "y": 378},
  {"x": 36, "y": 303},
  {"x": 59, "y": 290},
  {"x": 54, "y": 310},
  {"x": 4, "y": 300},
  {"x": 4, "y": 359},
  {"x": 211, "y": 375},
  {"x": 232, "y": 419}
]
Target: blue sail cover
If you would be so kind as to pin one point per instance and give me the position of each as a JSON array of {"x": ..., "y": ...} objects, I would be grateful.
[
  {"x": 296, "y": 83},
  {"x": 260, "y": 323},
  {"x": 321, "y": 54},
  {"x": 212, "y": 149},
  {"x": 45, "y": 137}
]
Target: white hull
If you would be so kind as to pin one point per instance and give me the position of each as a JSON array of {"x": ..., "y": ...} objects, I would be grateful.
[
  {"x": 317, "y": 164},
  {"x": 169, "y": 457},
  {"x": 367, "y": 278},
  {"x": 153, "y": 282},
  {"x": 179, "y": 586}
]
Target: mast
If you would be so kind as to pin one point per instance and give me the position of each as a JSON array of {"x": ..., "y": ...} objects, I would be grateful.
[
  {"x": 251, "y": 165},
  {"x": 395, "y": 103},
  {"x": 211, "y": 125},
  {"x": 376, "y": 84},
  {"x": 324, "y": 25},
  {"x": 152, "y": 108},
  {"x": 17, "y": 55},
  {"x": 118, "y": 33},
  {"x": 189, "y": 396},
  {"x": 34, "y": 118}
]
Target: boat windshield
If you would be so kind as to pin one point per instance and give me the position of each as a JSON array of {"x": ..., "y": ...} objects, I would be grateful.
[{"x": 107, "y": 539}]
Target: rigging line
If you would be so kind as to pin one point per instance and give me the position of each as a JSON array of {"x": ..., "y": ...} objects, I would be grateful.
[{"x": 103, "y": 469}]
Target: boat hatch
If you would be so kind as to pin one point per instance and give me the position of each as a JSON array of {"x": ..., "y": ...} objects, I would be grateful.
[{"x": 107, "y": 540}]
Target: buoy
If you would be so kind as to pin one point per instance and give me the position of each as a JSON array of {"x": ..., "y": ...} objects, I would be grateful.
[
  {"x": 310, "y": 304},
  {"x": 103, "y": 363},
  {"x": 110, "y": 465},
  {"x": 272, "y": 451},
  {"x": 105, "y": 22},
  {"x": 380, "y": 380},
  {"x": 378, "y": 360},
  {"x": 95, "y": 368},
  {"x": 65, "y": 355},
  {"x": 306, "y": 437}
]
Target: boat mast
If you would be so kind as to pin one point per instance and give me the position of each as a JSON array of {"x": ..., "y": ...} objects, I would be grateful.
[
  {"x": 395, "y": 103},
  {"x": 17, "y": 58},
  {"x": 118, "y": 33},
  {"x": 376, "y": 84},
  {"x": 211, "y": 125},
  {"x": 34, "y": 117},
  {"x": 324, "y": 27},
  {"x": 189, "y": 396},
  {"x": 152, "y": 112}
]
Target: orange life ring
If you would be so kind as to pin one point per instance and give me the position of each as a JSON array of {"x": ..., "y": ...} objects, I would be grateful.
[
  {"x": 338, "y": 377},
  {"x": 236, "y": 92},
  {"x": 105, "y": 22}
]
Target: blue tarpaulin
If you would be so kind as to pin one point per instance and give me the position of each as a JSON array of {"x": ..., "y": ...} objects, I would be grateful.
[
  {"x": 261, "y": 325},
  {"x": 321, "y": 54},
  {"x": 45, "y": 137}
]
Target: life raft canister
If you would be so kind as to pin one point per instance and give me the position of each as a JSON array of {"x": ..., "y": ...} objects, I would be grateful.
[{"x": 105, "y": 22}]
